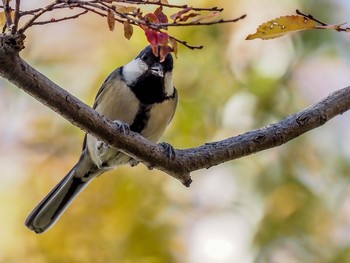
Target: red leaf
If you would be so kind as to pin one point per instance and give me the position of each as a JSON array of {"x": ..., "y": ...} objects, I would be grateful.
[
  {"x": 161, "y": 16},
  {"x": 151, "y": 18},
  {"x": 164, "y": 51},
  {"x": 152, "y": 38},
  {"x": 163, "y": 38}
]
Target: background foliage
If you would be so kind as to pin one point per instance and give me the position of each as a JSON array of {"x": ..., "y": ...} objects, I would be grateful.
[{"x": 289, "y": 204}]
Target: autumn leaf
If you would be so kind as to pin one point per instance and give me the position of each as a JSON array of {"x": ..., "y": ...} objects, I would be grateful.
[
  {"x": 161, "y": 16},
  {"x": 179, "y": 14},
  {"x": 151, "y": 18},
  {"x": 128, "y": 30},
  {"x": 2, "y": 19},
  {"x": 110, "y": 20},
  {"x": 152, "y": 38},
  {"x": 173, "y": 43},
  {"x": 283, "y": 25},
  {"x": 207, "y": 17},
  {"x": 124, "y": 9},
  {"x": 164, "y": 51}
]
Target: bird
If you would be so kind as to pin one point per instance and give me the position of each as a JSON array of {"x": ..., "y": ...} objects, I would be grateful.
[{"x": 139, "y": 96}]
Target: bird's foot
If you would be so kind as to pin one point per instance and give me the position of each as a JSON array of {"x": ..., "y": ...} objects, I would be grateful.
[
  {"x": 122, "y": 127},
  {"x": 168, "y": 150},
  {"x": 133, "y": 162}
]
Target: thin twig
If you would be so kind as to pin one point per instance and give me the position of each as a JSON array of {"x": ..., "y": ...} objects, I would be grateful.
[
  {"x": 159, "y": 3},
  {"x": 221, "y": 21},
  {"x": 54, "y": 20},
  {"x": 17, "y": 16},
  {"x": 310, "y": 17},
  {"x": 7, "y": 10},
  {"x": 48, "y": 8},
  {"x": 186, "y": 44}
]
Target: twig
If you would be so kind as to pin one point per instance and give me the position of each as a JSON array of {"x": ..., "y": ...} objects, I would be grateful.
[
  {"x": 53, "y": 20},
  {"x": 159, "y": 3},
  {"x": 7, "y": 10},
  {"x": 221, "y": 21},
  {"x": 17, "y": 16},
  {"x": 186, "y": 44},
  {"x": 310, "y": 17},
  {"x": 48, "y": 8}
]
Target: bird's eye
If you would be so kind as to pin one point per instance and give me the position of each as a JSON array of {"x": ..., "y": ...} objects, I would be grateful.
[{"x": 144, "y": 57}]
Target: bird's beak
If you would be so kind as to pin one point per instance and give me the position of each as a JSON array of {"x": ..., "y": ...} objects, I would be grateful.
[{"x": 157, "y": 69}]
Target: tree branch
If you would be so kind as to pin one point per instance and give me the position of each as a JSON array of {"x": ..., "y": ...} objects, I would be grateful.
[{"x": 20, "y": 73}]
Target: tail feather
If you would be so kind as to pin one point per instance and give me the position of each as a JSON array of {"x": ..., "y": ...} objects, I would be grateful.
[{"x": 48, "y": 211}]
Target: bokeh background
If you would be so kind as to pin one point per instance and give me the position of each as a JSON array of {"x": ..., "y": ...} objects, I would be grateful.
[{"x": 288, "y": 204}]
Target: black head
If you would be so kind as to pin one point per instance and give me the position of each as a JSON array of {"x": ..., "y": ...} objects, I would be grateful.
[
  {"x": 149, "y": 78},
  {"x": 147, "y": 56}
]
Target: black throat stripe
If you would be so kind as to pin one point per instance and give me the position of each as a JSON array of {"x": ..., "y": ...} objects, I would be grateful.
[{"x": 141, "y": 119}]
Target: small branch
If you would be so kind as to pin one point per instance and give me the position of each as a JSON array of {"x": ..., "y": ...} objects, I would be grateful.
[
  {"x": 16, "y": 16},
  {"x": 48, "y": 8},
  {"x": 7, "y": 10},
  {"x": 310, "y": 17},
  {"x": 159, "y": 3},
  {"x": 186, "y": 44},
  {"x": 221, "y": 21},
  {"x": 54, "y": 20}
]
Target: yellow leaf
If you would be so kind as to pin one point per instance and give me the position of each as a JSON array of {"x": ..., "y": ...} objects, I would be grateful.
[
  {"x": 128, "y": 30},
  {"x": 110, "y": 20},
  {"x": 2, "y": 19},
  {"x": 281, "y": 26}
]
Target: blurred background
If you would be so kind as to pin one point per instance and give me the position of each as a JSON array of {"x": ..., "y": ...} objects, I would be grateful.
[{"x": 288, "y": 204}]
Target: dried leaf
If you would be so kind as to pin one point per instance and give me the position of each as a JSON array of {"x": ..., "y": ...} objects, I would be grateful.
[
  {"x": 110, "y": 20},
  {"x": 173, "y": 43},
  {"x": 185, "y": 18},
  {"x": 164, "y": 51},
  {"x": 152, "y": 38},
  {"x": 128, "y": 30},
  {"x": 178, "y": 15},
  {"x": 283, "y": 25},
  {"x": 164, "y": 2},
  {"x": 163, "y": 38},
  {"x": 161, "y": 16},
  {"x": 124, "y": 9},
  {"x": 207, "y": 17},
  {"x": 151, "y": 18}
]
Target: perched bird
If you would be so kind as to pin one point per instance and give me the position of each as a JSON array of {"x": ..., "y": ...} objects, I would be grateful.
[{"x": 140, "y": 94}]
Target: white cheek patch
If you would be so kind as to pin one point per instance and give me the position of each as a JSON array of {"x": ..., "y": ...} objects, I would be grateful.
[
  {"x": 133, "y": 70},
  {"x": 168, "y": 84}
]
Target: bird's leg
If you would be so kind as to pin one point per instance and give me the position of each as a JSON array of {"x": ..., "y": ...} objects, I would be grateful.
[{"x": 105, "y": 152}]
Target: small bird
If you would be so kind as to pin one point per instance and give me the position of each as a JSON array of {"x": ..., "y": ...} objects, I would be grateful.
[{"x": 139, "y": 94}]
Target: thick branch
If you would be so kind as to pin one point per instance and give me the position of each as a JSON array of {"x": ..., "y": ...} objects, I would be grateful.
[{"x": 16, "y": 70}]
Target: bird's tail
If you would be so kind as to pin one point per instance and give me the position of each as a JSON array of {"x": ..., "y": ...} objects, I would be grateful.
[{"x": 49, "y": 210}]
